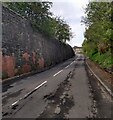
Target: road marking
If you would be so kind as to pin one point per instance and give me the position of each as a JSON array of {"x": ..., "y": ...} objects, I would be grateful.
[
  {"x": 107, "y": 89},
  {"x": 57, "y": 73},
  {"x": 71, "y": 63},
  {"x": 40, "y": 85},
  {"x": 25, "y": 96},
  {"x": 67, "y": 66},
  {"x": 62, "y": 69},
  {"x": 15, "y": 103}
]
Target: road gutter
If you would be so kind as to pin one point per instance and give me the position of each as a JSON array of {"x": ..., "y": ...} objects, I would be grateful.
[{"x": 100, "y": 81}]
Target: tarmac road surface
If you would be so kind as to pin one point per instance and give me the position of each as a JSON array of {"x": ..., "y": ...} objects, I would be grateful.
[{"x": 67, "y": 90}]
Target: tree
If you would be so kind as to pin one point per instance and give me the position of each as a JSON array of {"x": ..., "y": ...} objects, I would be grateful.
[
  {"x": 63, "y": 31},
  {"x": 98, "y": 34},
  {"x": 98, "y": 22},
  {"x": 42, "y": 19}
]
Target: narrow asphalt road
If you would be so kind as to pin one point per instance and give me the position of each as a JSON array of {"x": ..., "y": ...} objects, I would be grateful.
[{"x": 64, "y": 91}]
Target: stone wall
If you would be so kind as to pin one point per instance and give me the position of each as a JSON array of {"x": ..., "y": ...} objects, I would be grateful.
[{"x": 25, "y": 50}]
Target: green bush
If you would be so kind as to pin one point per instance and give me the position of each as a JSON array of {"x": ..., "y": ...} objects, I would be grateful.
[{"x": 105, "y": 60}]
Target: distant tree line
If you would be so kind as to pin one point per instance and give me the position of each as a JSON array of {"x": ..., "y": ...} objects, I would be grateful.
[
  {"x": 98, "y": 43},
  {"x": 39, "y": 15}
]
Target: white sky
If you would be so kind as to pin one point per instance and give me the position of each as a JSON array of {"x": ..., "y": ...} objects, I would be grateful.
[{"x": 71, "y": 11}]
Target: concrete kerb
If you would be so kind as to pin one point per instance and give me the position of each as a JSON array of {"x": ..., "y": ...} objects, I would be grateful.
[{"x": 100, "y": 81}]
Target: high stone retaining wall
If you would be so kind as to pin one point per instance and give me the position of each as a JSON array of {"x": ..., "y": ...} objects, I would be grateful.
[{"x": 25, "y": 50}]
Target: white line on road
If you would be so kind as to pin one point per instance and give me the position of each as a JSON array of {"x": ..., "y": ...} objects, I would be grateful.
[
  {"x": 40, "y": 85},
  {"x": 108, "y": 90},
  {"x": 70, "y": 64},
  {"x": 15, "y": 102},
  {"x": 62, "y": 69},
  {"x": 57, "y": 73},
  {"x": 67, "y": 66},
  {"x": 25, "y": 96}
]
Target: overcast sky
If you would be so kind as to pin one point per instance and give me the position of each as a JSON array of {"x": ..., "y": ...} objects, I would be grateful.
[{"x": 71, "y": 11}]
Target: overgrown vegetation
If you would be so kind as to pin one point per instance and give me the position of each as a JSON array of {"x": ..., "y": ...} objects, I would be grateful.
[
  {"x": 39, "y": 15},
  {"x": 98, "y": 41}
]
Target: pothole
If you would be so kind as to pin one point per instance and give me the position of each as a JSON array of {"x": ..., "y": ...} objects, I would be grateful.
[{"x": 60, "y": 102}]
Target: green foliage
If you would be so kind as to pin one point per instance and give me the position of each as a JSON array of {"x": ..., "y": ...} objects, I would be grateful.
[
  {"x": 63, "y": 30},
  {"x": 105, "y": 60},
  {"x": 38, "y": 13},
  {"x": 98, "y": 35}
]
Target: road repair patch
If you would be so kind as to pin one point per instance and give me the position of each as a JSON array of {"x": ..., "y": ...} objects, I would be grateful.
[{"x": 60, "y": 102}]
